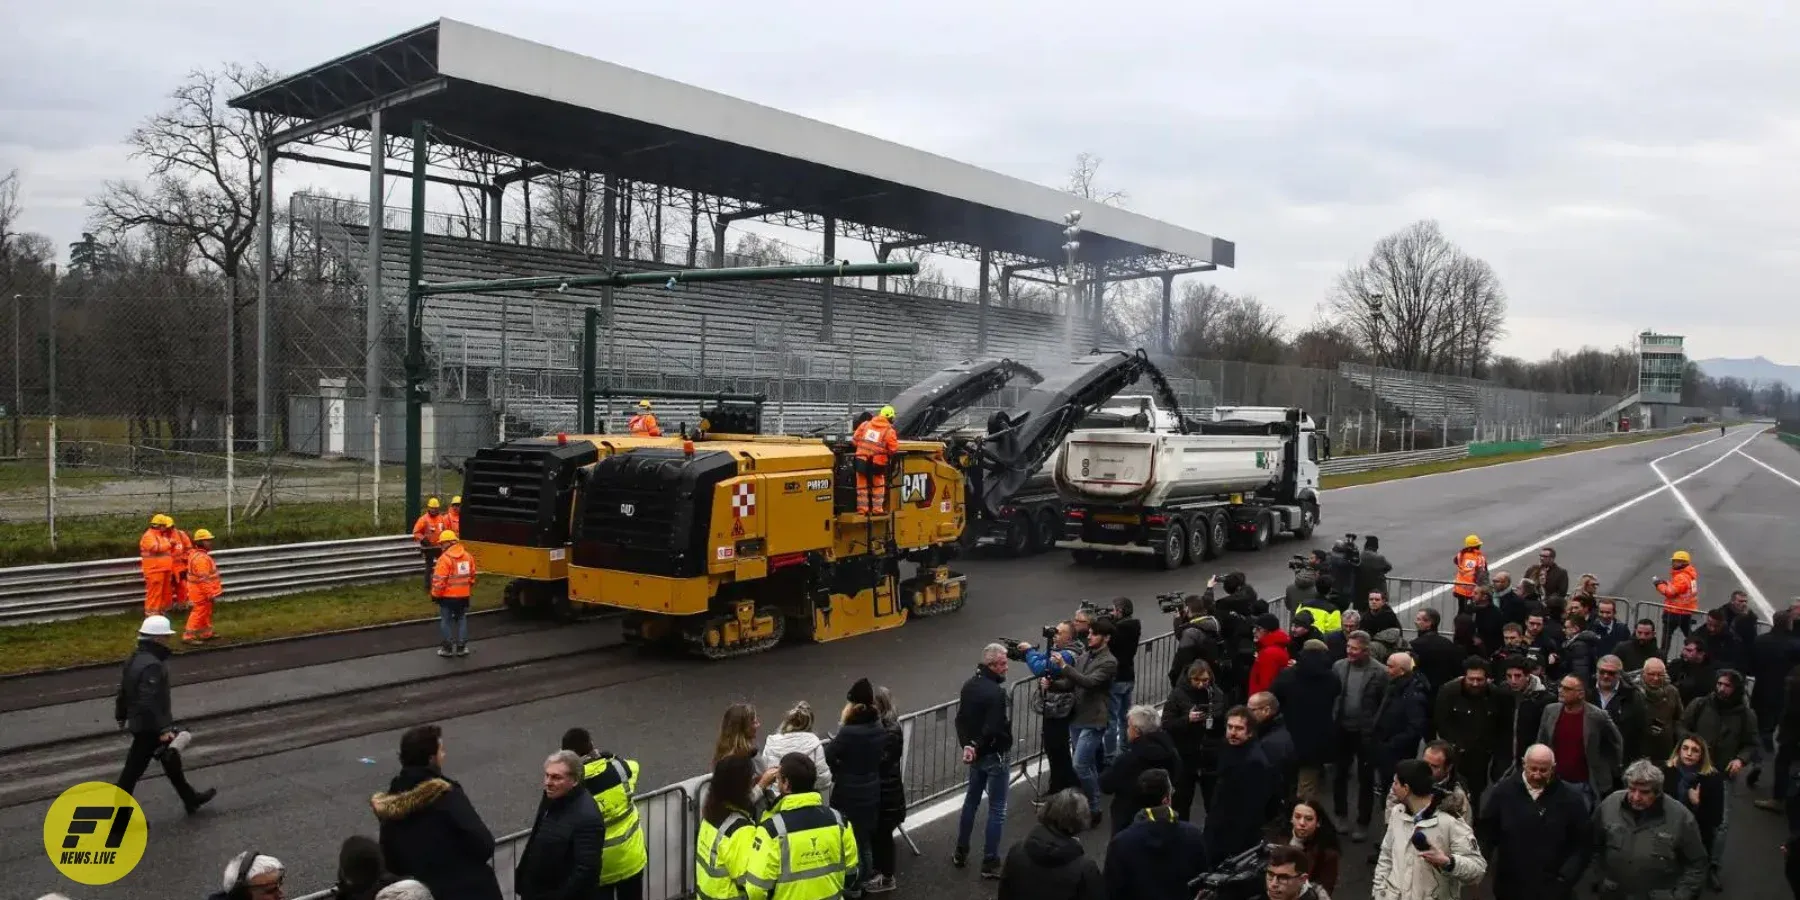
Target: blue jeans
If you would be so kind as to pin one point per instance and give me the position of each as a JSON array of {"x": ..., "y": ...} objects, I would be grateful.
[
  {"x": 453, "y": 621},
  {"x": 1118, "y": 703},
  {"x": 988, "y": 773},
  {"x": 1090, "y": 743}
]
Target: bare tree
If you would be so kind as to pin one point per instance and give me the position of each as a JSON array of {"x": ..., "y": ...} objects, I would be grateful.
[
  {"x": 1419, "y": 303},
  {"x": 1084, "y": 182},
  {"x": 9, "y": 212},
  {"x": 569, "y": 208}
]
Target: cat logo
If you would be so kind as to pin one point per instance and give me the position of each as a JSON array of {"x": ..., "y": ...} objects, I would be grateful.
[
  {"x": 627, "y": 510},
  {"x": 916, "y": 487}
]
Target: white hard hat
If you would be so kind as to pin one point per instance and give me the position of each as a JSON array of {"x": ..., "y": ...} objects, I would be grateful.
[{"x": 155, "y": 626}]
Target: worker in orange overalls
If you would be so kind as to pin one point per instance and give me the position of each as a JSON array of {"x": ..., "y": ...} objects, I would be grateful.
[
  {"x": 644, "y": 424},
  {"x": 453, "y": 518},
  {"x": 1681, "y": 597},
  {"x": 426, "y": 531},
  {"x": 876, "y": 444},
  {"x": 1471, "y": 570},
  {"x": 203, "y": 587},
  {"x": 180, "y": 545},
  {"x": 452, "y": 580},
  {"x": 156, "y": 560}
]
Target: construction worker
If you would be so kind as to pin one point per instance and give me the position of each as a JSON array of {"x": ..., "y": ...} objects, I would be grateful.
[
  {"x": 727, "y": 825},
  {"x": 1681, "y": 597},
  {"x": 426, "y": 531},
  {"x": 156, "y": 561},
  {"x": 453, "y": 518},
  {"x": 876, "y": 444},
  {"x": 203, "y": 587},
  {"x": 611, "y": 780},
  {"x": 1471, "y": 570},
  {"x": 452, "y": 581},
  {"x": 803, "y": 850},
  {"x": 180, "y": 545},
  {"x": 644, "y": 424}
]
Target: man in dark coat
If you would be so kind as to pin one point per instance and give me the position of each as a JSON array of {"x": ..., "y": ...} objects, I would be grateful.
[
  {"x": 1276, "y": 743},
  {"x": 1439, "y": 659},
  {"x": 1147, "y": 746},
  {"x": 1625, "y": 703},
  {"x": 561, "y": 860},
  {"x": 1477, "y": 720},
  {"x": 144, "y": 708},
  {"x": 1772, "y": 657},
  {"x": 1371, "y": 571},
  {"x": 430, "y": 831},
  {"x": 1536, "y": 830},
  {"x": 1157, "y": 854},
  {"x": 854, "y": 755},
  {"x": 1247, "y": 791},
  {"x": 1401, "y": 719},
  {"x": 1306, "y": 694},
  {"x": 1641, "y": 648}
]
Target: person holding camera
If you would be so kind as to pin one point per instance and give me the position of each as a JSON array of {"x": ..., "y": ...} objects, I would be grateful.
[
  {"x": 1305, "y": 589},
  {"x": 1055, "y": 706},
  {"x": 1342, "y": 567},
  {"x": 1091, "y": 677},
  {"x": 1197, "y": 639},
  {"x": 1237, "y": 612},
  {"x": 1127, "y": 632}
]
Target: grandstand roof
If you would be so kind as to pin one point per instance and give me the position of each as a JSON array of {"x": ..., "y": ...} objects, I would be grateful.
[{"x": 567, "y": 111}]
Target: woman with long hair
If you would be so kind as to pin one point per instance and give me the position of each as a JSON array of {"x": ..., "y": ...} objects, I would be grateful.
[
  {"x": 1308, "y": 828},
  {"x": 737, "y": 734},
  {"x": 795, "y": 735},
  {"x": 1690, "y": 778},
  {"x": 727, "y": 828},
  {"x": 1194, "y": 715},
  {"x": 892, "y": 810}
]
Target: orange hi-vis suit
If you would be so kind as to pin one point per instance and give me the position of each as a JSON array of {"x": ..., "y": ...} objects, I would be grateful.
[
  {"x": 644, "y": 425},
  {"x": 453, "y": 578},
  {"x": 1681, "y": 593},
  {"x": 453, "y": 519},
  {"x": 876, "y": 444},
  {"x": 203, "y": 587},
  {"x": 428, "y": 527},
  {"x": 180, "y": 545},
  {"x": 1470, "y": 563},
  {"x": 156, "y": 559}
]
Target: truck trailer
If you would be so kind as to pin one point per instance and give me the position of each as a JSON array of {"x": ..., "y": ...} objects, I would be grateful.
[{"x": 1238, "y": 481}]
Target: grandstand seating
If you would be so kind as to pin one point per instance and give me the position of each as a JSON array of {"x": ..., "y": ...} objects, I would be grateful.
[{"x": 1460, "y": 403}]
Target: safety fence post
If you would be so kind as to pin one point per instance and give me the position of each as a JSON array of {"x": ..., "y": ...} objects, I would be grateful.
[
  {"x": 230, "y": 469},
  {"x": 376, "y": 456},
  {"x": 50, "y": 492},
  {"x": 590, "y": 339}
]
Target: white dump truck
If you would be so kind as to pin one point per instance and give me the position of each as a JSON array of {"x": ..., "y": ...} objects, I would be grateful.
[{"x": 1237, "y": 481}]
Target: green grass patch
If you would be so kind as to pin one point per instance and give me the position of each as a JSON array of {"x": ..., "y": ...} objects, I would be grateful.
[
  {"x": 1475, "y": 462},
  {"x": 108, "y": 638},
  {"x": 27, "y": 477},
  {"x": 1792, "y": 440}
]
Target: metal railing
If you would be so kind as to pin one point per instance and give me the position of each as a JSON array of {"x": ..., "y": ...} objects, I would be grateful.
[
  {"x": 1369, "y": 462},
  {"x": 71, "y": 590}
]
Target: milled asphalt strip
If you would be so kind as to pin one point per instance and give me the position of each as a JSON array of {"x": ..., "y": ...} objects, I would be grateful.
[{"x": 1587, "y": 523}]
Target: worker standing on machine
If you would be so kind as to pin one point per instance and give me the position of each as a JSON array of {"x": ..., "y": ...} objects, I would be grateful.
[
  {"x": 426, "y": 531},
  {"x": 1681, "y": 597},
  {"x": 876, "y": 444},
  {"x": 1471, "y": 570},
  {"x": 203, "y": 587},
  {"x": 156, "y": 560},
  {"x": 644, "y": 423}
]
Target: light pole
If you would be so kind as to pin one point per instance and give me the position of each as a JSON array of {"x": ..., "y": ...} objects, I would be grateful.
[
  {"x": 1071, "y": 246},
  {"x": 18, "y": 376}
]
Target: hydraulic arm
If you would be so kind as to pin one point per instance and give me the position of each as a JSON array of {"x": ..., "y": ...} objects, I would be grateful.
[{"x": 927, "y": 406}]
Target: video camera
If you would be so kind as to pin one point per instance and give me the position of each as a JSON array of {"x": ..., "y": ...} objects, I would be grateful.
[
  {"x": 1300, "y": 561},
  {"x": 1238, "y": 878},
  {"x": 1171, "y": 603},
  {"x": 1094, "y": 610}
]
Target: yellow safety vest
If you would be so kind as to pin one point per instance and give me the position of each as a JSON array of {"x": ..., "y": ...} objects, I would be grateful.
[
  {"x": 611, "y": 781},
  {"x": 1327, "y": 621},
  {"x": 804, "y": 850},
  {"x": 722, "y": 856}
]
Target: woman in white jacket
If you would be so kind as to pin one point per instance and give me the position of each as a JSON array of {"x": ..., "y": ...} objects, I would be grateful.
[
  {"x": 796, "y": 736},
  {"x": 1424, "y": 855}
]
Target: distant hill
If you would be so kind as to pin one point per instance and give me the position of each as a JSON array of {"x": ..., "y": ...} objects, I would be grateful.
[{"x": 1758, "y": 369}]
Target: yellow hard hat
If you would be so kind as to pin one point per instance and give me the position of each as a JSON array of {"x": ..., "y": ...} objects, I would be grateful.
[
  {"x": 162, "y": 520},
  {"x": 1472, "y": 541},
  {"x": 203, "y": 535},
  {"x": 887, "y": 412},
  {"x": 456, "y": 500},
  {"x": 643, "y": 404},
  {"x": 431, "y": 504},
  {"x": 446, "y": 536},
  {"x": 1681, "y": 556}
]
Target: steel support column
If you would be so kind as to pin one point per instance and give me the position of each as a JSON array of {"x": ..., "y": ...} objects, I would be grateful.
[
  {"x": 265, "y": 241},
  {"x": 981, "y": 302},
  {"x": 415, "y": 338},
  {"x": 825, "y": 286},
  {"x": 372, "y": 288},
  {"x": 609, "y": 223},
  {"x": 590, "y": 340},
  {"x": 496, "y": 201}
]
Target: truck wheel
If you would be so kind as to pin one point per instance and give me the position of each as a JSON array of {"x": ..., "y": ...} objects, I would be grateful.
[
  {"x": 1197, "y": 537},
  {"x": 1309, "y": 516},
  {"x": 1049, "y": 528},
  {"x": 1264, "y": 529},
  {"x": 1221, "y": 536},
  {"x": 1174, "y": 548},
  {"x": 558, "y": 606},
  {"x": 1018, "y": 534}
]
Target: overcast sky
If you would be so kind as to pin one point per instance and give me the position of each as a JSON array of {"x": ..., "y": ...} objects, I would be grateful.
[{"x": 1623, "y": 165}]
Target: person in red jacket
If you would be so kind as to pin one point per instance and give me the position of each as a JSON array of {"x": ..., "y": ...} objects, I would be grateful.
[{"x": 1271, "y": 652}]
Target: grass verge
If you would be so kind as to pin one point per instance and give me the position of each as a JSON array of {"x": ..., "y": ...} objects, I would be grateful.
[
  {"x": 1456, "y": 465},
  {"x": 109, "y": 638}
]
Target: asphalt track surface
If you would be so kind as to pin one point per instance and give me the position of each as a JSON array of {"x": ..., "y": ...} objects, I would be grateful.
[{"x": 1608, "y": 512}]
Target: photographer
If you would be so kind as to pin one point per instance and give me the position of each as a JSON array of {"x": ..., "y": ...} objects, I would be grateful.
[
  {"x": 1237, "y": 612},
  {"x": 1371, "y": 571},
  {"x": 1055, "y": 706},
  {"x": 1305, "y": 589},
  {"x": 1091, "y": 676},
  {"x": 1196, "y": 638},
  {"x": 1127, "y": 632},
  {"x": 1342, "y": 567}
]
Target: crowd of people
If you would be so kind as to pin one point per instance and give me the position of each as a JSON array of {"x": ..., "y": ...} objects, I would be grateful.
[{"x": 1542, "y": 742}]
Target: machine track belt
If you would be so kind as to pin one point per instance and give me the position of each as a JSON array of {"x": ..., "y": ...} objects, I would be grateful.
[{"x": 696, "y": 641}]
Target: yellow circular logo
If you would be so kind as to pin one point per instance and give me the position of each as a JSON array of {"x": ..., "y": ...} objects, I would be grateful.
[{"x": 95, "y": 833}]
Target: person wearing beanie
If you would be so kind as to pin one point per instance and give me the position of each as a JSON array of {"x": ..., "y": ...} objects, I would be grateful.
[
  {"x": 854, "y": 756},
  {"x": 1271, "y": 652}
]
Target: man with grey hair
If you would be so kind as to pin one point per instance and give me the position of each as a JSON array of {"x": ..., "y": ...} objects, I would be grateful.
[
  {"x": 1363, "y": 682},
  {"x": 1535, "y": 830},
  {"x": 1647, "y": 844},
  {"x": 562, "y": 855},
  {"x": 262, "y": 878},
  {"x": 404, "y": 890},
  {"x": 984, "y": 731},
  {"x": 1147, "y": 746},
  {"x": 1050, "y": 861}
]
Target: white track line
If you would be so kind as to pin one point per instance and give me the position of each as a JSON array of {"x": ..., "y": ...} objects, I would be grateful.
[
  {"x": 1756, "y": 594},
  {"x": 1603, "y": 516},
  {"x": 1520, "y": 462},
  {"x": 1789, "y": 478}
]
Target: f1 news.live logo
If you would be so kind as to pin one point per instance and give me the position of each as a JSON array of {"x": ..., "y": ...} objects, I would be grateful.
[
  {"x": 87, "y": 820},
  {"x": 95, "y": 833}
]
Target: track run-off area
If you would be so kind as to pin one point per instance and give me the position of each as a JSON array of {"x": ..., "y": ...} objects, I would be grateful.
[{"x": 293, "y": 780}]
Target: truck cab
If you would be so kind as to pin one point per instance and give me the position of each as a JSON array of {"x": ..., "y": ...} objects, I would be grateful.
[{"x": 1310, "y": 446}]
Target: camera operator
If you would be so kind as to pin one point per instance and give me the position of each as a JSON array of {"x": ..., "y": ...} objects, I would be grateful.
[
  {"x": 1372, "y": 571},
  {"x": 1055, "y": 705},
  {"x": 1196, "y": 638},
  {"x": 1091, "y": 676},
  {"x": 1237, "y": 612},
  {"x": 1342, "y": 567},
  {"x": 1305, "y": 589},
  {"x": 1127, "y": 632}
]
